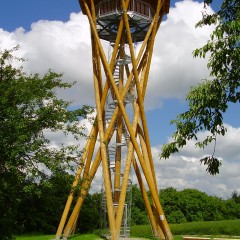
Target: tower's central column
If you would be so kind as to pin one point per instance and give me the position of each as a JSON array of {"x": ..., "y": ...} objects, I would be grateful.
[{"x": 120, "y": 123}]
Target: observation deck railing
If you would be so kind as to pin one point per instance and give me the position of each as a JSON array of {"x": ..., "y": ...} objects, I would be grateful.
[{"x": 112, "y": 7}]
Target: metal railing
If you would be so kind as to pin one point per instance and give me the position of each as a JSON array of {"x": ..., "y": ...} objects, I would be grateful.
[{"x": 108, "y": 7}]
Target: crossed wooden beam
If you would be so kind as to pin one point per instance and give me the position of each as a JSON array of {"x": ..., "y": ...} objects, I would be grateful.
[{"x": 139, "y": 149}]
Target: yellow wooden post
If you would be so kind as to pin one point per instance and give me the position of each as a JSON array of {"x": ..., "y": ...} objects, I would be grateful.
[
  {"x": 75, "y": 183},
  {"x": 136, "y": 85},
  {"x": 155, "y": 229}
]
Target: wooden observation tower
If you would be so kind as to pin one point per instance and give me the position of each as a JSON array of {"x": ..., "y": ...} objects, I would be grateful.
[{"x": 119, "y": 135}]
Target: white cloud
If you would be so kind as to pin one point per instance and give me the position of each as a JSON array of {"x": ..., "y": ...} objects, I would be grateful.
[
  {"x": 63, "y": 47},
  {"x": 8, "y": 40},
  {"x": 183, "y": 169},
  {"x": 66, "y": 47},
  {"x": 173, "y": 69}
]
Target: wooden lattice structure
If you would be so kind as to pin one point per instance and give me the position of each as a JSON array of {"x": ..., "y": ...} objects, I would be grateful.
[{"x": 121, "y": 142}]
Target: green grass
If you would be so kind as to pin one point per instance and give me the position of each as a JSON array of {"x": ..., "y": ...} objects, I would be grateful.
[
  {"x": 226, "y": 227},
  {"x": 141, "y": 231},
  {"x": 35, "y": 237},
  {"x": 215, "y": 229},
  {"x": 51, "y": 237}
]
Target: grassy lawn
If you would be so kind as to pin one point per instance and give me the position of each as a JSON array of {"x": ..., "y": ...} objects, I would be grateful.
[
  {"x": 52, "y": 237},
  {"x": 32, "y": 237},
  {"x": 95, "y": 237},
  {"x": 226, "y": 229},
  {"x": 214, "y": 228}
]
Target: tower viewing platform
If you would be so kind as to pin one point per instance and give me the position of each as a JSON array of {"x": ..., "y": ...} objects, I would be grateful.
[{"x": 140, "y": 14}]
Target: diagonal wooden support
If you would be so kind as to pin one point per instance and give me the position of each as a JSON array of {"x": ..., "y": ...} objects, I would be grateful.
[
  {"x": 136, "y": 78},
  {"x": 156, "y": 231}
]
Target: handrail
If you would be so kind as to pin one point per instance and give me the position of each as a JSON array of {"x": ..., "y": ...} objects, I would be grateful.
[{"x": 108, "y": 7}]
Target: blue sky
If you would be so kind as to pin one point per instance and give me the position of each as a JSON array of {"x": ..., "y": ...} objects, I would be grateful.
[
  {"x": 14, "y": 14},
  {"x": 61, "y": 42}
]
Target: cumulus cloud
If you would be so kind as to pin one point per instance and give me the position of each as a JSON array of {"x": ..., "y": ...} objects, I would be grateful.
[
  {"x": 183, "y": 169},
  {"x": 66, "y": 47},
  {"x": 173, "y": 69}
]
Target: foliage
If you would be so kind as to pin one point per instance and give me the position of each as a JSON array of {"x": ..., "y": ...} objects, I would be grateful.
[
  {"x": 89, "y": 217},
  {"x": 170, "y": 200},
  {"x": 42, "y": 203},
  {"x": 208, "y": 101},
  {"x": 40, "y": 211},
  {"x": 138, "y": 210},
  {"x": 29, "y": 108},
  {"x": 180, "y": 206},
  {"x": 191, "y": 205},
  {"x": 235, "y": 197}
]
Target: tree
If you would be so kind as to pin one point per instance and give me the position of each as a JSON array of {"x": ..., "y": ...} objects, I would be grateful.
[
  {"x": 41, "y": 204},
  {"x": 236, "y": 197},
  {"x": 89, "y": 217},
  {"x": 170, "y": 199},
  {"x": 176, "y": 217},
  {"x": 209, "y": 100},
  {"x": 29, "y": 107},
  {"x": 138, "y": 209},
  {"x": 193, "y": 205}
]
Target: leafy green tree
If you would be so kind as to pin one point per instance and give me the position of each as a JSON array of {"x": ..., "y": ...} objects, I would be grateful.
[
  {"x": 29, "y": 107},
  {"x": 42, "y": 203},
  {"x": 9, "y": 202},
  {"x": 138, "y": 210},
  {"x": 232, "y": 209},
  {"x": 236, "y": 197},
  {"x": 170, "y": 200},
  {"x": 139, "y": 217},
  {"x": 89, "y": 217},
  {"x": 137, "y": 198},
  {"x": 192, "y": 203},
  {"x": 214, "y": 209},
  {"x": 176, "y": 217},
  {"x": 209, "y": 100}
]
